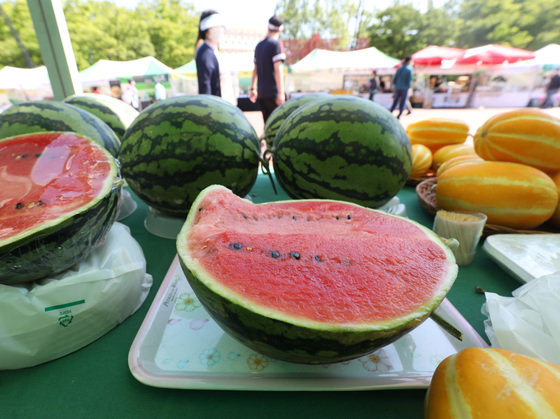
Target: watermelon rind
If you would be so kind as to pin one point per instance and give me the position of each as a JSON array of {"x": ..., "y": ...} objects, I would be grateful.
[
  {"x": 289, "y": 338},
  {"x": 48, "y": 115},
  {"x": 342, "y": 148},
  {"x": 279, "y": 115},
  {"x": 114, "y": 112},
  {"x": 63, "y": 242},
  {"x": 177, "y": 147}
]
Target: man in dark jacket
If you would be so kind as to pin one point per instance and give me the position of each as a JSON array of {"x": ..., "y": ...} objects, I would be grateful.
[{"x": 402, "y": 82}]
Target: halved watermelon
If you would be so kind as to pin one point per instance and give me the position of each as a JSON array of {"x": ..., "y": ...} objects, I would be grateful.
[
  {"x": 311, "y": 281},
  {"x": 58, "y": 199}
]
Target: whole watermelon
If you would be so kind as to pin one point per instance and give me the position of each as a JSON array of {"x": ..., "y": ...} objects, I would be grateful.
[
  {"x": 176, "y": 148},
  {"x": 279, "y": 115},
  {"x": 114, "y": 112},
  {"x": 343, "y": 148},
  {"x": 49, "y": 115}
]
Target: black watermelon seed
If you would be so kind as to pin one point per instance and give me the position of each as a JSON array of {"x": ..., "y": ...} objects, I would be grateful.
[
  {"x": 244, "y": 216},
  {"x": 317, "y": 258},
  {"x": 236, "y": 246},
  {"x": 275, "y": 254},
  {"x": 295, "y": 255},
  {"x": 294, "y": 217},
  {"x": 349, "y": 217},
  {"x": 337, "y": 217},
  {"x": 40, "y": 203},
  {"x": 19, "y": 205},
  {"x": 24, "y": 155},
  {"x": 200, "y": 209},
  {"x": 38, "y": 155}
]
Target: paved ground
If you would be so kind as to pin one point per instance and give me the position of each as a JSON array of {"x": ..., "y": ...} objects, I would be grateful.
[{"x": 474, "y": 117}]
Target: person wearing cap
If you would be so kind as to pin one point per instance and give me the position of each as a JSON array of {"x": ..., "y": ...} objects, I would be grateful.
[
  {"x": 267, "y": 82},
  {"x": 211, "y": 30}
]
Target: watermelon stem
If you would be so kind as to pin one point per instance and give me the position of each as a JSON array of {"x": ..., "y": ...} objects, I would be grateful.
[
  {"x": 445, "y": 325},
  {"x": 265, "y": 169}
]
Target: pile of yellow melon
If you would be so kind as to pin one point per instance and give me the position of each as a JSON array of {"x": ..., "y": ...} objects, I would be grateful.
[{"x": 511, "y": 172}]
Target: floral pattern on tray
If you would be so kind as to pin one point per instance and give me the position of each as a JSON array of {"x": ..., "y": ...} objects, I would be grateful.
[{"x": 193, "y": 342}]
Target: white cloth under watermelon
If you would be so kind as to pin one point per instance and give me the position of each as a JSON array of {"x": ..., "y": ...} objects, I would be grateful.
[{"x": 47, "y": 319}]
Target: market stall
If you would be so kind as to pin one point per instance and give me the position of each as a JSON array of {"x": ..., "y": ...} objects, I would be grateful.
[
  {"x": 483, "y": 76},
  {"x": 347, "y": 71},
  {"x": 546, "y": 61},
  {"x": 109, "y": 75},
  {"x": 24, "y": 84}
]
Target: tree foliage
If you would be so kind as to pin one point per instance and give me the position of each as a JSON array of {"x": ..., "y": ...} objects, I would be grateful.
[
  {"x": 530, "y": 24},
  {"x": 167, "y": 29},
  {"x": 328, "y": 18}
]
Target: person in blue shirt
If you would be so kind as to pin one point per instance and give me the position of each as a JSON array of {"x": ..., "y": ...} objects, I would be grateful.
[
  {"x": 402, "y": 82},
  {"x": 267, "y": 82},
  {"x": 211, "y": 30}
]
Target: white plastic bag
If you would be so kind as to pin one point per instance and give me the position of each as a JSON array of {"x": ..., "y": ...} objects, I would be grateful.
[
  {"x": 48, "y": 319},
  {"x": 527, "y": 322}
]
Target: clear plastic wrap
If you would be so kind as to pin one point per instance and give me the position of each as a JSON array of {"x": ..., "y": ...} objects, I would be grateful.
[
  {"x": 527, "y": 322},
  {"x": 47, "y": 319}
]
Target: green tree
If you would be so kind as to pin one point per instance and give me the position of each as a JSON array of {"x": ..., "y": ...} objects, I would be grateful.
[
  {"x": 439, "y": 26},
  {"x": 494, "y": 22},
  {"x": 10, "y": 52},
  {"x": 172, "y": 29},
  {"x": 396, "y": 30},
  {"x": 328, "y": 18},
  {"x": 540, "y": 18},
  {"x": 101, "y": 30}
]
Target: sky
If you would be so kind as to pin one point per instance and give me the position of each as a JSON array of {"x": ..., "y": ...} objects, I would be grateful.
[{"x": 255, "y": 13}]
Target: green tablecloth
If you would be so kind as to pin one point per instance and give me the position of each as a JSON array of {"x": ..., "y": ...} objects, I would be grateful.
[{"x": 96, "y": 382}]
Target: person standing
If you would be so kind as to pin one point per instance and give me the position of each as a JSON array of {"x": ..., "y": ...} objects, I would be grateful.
[
  {"x": 130, "y": 94},
  {"x": 267, "y": 82},
  {"x": 402, "y": 82},
  {"x": 551, "y": 90},
  {"x": 372, "y": 84},
  {"x": 159, "y": 91},
  {"x": 211, "y": 30}
]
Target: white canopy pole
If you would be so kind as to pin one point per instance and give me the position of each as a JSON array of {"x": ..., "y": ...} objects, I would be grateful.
[{"x": 56, "y": 48}]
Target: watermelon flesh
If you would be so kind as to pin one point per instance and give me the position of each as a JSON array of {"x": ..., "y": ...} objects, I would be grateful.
[
  {"x": 46, "y": 178},
  {"x": 59, "y": 197},
  {"x": 315, "y": 264}
]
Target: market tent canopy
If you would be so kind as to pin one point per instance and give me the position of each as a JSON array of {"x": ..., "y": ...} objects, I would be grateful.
[
  {"x": 547, "y": 57},
  {"x": 24, "y": 78},
  {"x": 433, "y": 55},
  {"x": 321, "y": 59},
  {"x": 188, "y": 68},
  {"x": 494, "y": 54},
  {"x": 110, "y": 70}
]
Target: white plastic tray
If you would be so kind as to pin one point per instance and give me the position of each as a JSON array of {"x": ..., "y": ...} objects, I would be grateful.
[
  {"x": 525, "y": 256},
  {"x": 180, "y": 346}
]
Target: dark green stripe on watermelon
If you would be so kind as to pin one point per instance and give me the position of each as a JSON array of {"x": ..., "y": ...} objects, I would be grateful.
[
  {"x": 287, "y": 341},
  {"x": 60, "y": 247},
  {"x": 342, "y": 148},
  {"x": 279, "y": 115},
  {"x": 176, "y": 148},
  {"x": 114, "y": 112},
  {"x": 45, "y": 116}
]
